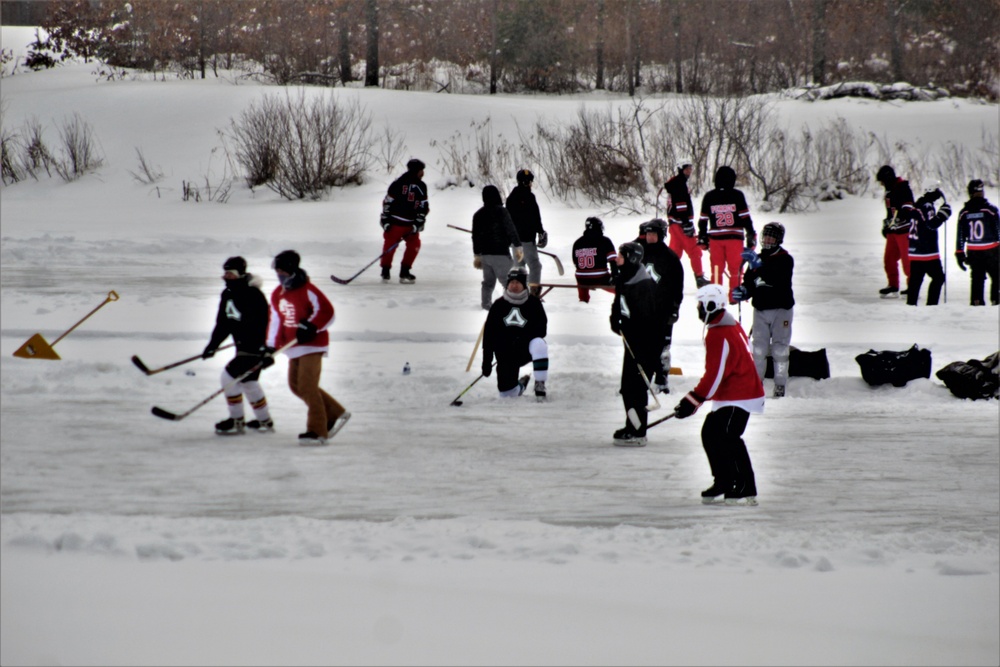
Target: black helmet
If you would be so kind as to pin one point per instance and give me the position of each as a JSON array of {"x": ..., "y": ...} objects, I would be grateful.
[
  {"x": 772, "y": 235},
  {"x": 237, "y": 264},
  {"x": 886, "y": 175},
  {"x": 524, "y": 176},
  {"x": 975, "y": 187},
  {"x": 594, "y": 225},
  {"x": 725, "y": 177},
  {"x": 655, "y": 225},
  {"x": 632, "y": 252},
  {"x": 287, "y": 261},
  {"x": 414, "y": 165},
  {"x": 518, "y": 273}
]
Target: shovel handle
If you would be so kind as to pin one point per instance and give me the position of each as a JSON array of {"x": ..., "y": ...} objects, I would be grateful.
[{"x": 112, "y": 296}]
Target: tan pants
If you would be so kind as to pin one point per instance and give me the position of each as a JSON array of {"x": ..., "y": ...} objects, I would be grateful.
[{"x": 303, "y": 380}]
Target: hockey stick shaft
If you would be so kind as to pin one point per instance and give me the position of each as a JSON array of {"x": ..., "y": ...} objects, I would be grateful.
[
  {"x": 166, "y": 414},
  {"x": 559, "y": 265},
  {"x": 475, "y": 349},
  {"x": 346, "y": 281},
  {"x": 153, "y": 371},
  {"x": 471, "y": 385},
  {"x": 661, "y": 420},
  {"x": 655, "y": 405}
]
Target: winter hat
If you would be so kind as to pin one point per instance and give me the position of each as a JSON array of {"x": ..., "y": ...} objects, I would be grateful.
[
  {"x": 975, "y": 187},
  {"x": 886, "y": 175},
  {"x": 519, "y": 274},
  {"x": 414, "y": 165},
  {"x": 491, "y": 196},
  {"x": 287, "y": 261},
  {"x": 725, "y": 177},
  {"x": 237, "y": 264},
  {"x": 524, "y": 176}
]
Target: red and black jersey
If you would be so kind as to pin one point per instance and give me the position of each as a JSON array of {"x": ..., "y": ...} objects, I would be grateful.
[
  {"x": 592, "y": 254},
  {"x": 923, "y": 236},
  {"x": 681, "y": 209},
  {"x": 406, "y": 201},
  {"x": 978, "y": 226},
  {"x": 725, "y": 215},
  {"x": 899, "y": 208},
  {"x": 301, "y": 303}
]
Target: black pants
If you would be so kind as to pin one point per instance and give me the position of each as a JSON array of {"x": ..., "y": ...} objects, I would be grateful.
[
  {"x": 722, "y": 438},
  {"x": 983, "y": 263},
  {"x": 918, "y": 269},
  {"x": 635, "y": 393}
]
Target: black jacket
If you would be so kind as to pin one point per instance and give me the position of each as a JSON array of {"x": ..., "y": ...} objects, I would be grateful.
[
  {"x": 634, "y": 314},
  {"x": 770, "y": 285},
  {"x": 243, "y": 314},
  {"x": 510, "y": 327},
  {"x": 667, "y": 273},
  {"x": 493, "y": 231},
  {"x": 523, "y": 209}
]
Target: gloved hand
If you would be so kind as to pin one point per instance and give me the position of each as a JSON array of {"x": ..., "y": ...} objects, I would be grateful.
[
  {"x": 688, "y": 229},
  {"x": 208, "y": 353},
  {"x": 614, "y": 271},
  {"x": 477, "y": 262},
  {"x": 739, "y": 293},
  {"x": 960, "y": 258},
  {"x": 518, "y": 254},
  {"x": 419, "y": 226},
  {"x": 688, "y": 405},
  {"x": 934, "y": 195},
  {"x": 543, "y": 240},
  {"x": 384, "y": 221},
  {"x": 752, "y": 240},
  {"x": 945, "y": 210},
  {"x": 703, "y": 240},
  {"x": 665, "y": 358},
  {"x": 674, "y": 315},
  {"x": 616, "y": 325},
  {"x": 487, "y": 365},
  {"x": 266, "y": 356},
  {"x": 752, "y": 259},
  {"x": 306, "y": 332}
]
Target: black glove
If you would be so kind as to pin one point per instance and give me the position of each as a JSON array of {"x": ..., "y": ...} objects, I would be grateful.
[
  {"x": 384, "y": 221},
  {"x": 208, "y": 353},
  {"x": 487, "y": 365},
  {"x": 306, "y": 332},
  {"x": 616, "y": 324},
  {"x": 703, "y": 240},
  {"x": 266, "y": 356},
  {"x": 418, "y": 225},
  {"x": 960, "y": 258},
  {"x": 688, "y": 229},
  {"x": 543, "y": 240},
  {"x": 688, "y": 405},
  {"x": 752, "y": 240}
]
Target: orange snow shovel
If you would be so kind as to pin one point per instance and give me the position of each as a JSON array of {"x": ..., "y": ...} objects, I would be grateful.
[{"x": 38, "y": 348}]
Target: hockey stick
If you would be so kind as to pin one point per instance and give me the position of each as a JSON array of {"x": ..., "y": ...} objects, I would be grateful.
[
  {"x": 457, "y": 402},
  {"x": 559, "y": 265},
  {"x": 346, "y": 281},
  {"x": 153, "y": 371},
  {"x": 476, "y": 348},
  {"x": 655, "y": 405},
  {"x": 166, "y": 414},
  {"x": 661, "y": 420}
]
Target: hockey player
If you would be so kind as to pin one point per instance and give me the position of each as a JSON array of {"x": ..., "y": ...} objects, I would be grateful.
[
  {"x": 683, "y": 235},
  {"x": 300, "y": 312},
  {"x": 594, "y": 258},
  {"x": 634, "y": 318},
  {"x": 723, "y": 227},
  {"x": 493, "y": 234},
  {"x": 978, "y": 243},
  {"x": 243, "y": 315},
  {"x": 515, "y": 334},
  {"x": 895, "y": 228},
  {"x": 666, "y": 271},
  {"x": 925, "y": 258},
  {"x": 768, "y": 282},
  {"x": 523, "y": 209},
  {"x": 732, "y": 384},
  {"x": 404, "y": 212}
]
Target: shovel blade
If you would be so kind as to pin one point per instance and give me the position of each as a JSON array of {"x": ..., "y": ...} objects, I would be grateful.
[{"x": 36, "y": 347}]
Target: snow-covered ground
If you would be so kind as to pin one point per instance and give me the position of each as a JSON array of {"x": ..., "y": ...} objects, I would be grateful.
[{"x": 496, "y": 532}]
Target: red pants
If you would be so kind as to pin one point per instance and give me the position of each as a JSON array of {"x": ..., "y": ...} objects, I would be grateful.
[
  {"x": 392, "y": 238},
  {"x": 681, "y": 243},
  {"x": 897, "y": 249},
  {"x": 725, "y": 253}
]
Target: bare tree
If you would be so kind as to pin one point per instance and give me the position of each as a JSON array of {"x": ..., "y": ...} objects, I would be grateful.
[
  {"x": 819, "y": 42},
  {"x": 371, "y": 26},
  {"x": 599, "y": 48}
]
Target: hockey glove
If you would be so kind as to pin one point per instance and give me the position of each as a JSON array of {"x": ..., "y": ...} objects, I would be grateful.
[
  {"x": 688, "y": 405},
  {"x": 543, "y": 239},
  {"x": 487, "y": 366},
  {"x": 306, "y": 332},
  {"x": 665, "y": 359},
  {"x": 739, "y": 294},
  {"x": 752, "y": 259},
  {"x": 266, "y": 356},
  {"x": 384, "y": 221},
  {"x": 752, "y": 240},
  {"x": 208, "y": 353},
  {"x": 518, "y": 254},
  {"x": 960, "y": 258},
  {"x": 477, "y": 262},
  {"x": 688, "y": 229},
  {"x": 944, "y": 212},
  {"x": 703, "y": 240},
  {"x": 616, "y": 325}
]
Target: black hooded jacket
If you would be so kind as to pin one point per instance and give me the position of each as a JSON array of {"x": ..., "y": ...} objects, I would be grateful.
[{"x": 493, "y": 231}]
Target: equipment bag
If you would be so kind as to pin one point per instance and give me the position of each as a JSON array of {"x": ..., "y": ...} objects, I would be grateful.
[
  {"x": 895, "y": 368},
  {"x": 803, "y": 364},
  {"x": 974, "y": 378}
]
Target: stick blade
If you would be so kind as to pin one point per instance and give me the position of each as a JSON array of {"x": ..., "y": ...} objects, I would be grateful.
[
  {"x": 456, "y": 402},
  {"x": 164, "y": 414},
  {"x": 339, "y": 281},
  {"x": 138, "y": 364}
]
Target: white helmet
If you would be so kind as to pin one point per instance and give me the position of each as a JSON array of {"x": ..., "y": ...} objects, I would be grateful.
[
  {"x": 684, "y": 162},
  {"x": 711, "y": 299}
]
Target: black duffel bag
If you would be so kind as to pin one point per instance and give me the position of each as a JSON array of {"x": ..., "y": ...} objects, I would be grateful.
[
  {"x": 895, "y": 368},
  {"x": 973, "y": 378}
]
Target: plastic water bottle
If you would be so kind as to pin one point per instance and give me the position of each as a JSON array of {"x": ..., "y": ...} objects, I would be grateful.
[{"x": 406, "y": 368}]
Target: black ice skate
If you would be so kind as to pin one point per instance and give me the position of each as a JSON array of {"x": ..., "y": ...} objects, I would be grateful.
[{"x": 230, "y": 427}]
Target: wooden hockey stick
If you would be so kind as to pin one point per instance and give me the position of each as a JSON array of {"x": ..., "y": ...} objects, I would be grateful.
[{"x": 559, "y": 265}]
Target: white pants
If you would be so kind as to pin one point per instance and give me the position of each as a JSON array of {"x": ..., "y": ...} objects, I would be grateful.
[{"x": 772, "y": 333}]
